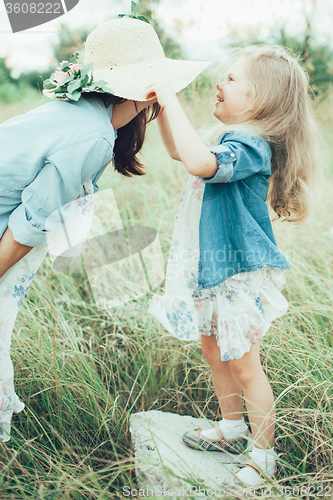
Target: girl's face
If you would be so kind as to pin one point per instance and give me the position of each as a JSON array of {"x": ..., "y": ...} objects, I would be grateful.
[{"x": 233, "y": 94}]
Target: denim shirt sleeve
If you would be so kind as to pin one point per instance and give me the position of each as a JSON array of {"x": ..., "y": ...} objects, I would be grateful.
[
  {"x": 59, "y": 182},
  {"x": 238, "y": 156}
]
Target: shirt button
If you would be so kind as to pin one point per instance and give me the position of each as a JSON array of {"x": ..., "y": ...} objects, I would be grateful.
[{"x": 232, "y": 154}]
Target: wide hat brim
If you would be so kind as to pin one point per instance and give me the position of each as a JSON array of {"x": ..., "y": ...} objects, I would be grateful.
[{"x": 132, "y": 80}]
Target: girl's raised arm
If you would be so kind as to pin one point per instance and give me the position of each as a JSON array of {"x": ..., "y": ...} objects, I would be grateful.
[
  {"x": 190, "y": 148},
  {"x": 166, "y": 134}
]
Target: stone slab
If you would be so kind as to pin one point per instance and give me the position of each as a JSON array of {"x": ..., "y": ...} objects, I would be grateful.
[{"x": 162, "y": 460}]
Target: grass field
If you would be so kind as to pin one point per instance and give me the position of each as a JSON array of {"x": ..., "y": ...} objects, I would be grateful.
[{"x": 82, "y": 372}]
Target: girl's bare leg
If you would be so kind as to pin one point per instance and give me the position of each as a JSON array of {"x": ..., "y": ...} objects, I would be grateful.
[
  {"x": 258, "y": 396},
  {"x": 232, "y": 377},
  {"x": 228, "y": 389}
]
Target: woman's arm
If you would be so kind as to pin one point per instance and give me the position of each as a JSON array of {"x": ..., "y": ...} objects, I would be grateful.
[
  {"x": 192, "y": 151},
  {"x": 10, "y": 251}
]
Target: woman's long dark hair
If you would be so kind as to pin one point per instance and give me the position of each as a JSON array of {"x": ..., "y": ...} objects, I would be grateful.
[{"x": 131, "y": 137}]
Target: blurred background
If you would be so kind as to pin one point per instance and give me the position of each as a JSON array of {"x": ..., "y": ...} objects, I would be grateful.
[
  {"x": 82, "y": 371},
  {"x": 187, "y": 28}
]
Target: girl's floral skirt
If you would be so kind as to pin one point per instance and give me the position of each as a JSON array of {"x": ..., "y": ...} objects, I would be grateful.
[
  {"x": 13, "y": 288},
  {"x": 238, "y": 312}
]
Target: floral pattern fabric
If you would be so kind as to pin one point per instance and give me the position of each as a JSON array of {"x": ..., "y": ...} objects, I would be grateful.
[
  {"x": 238, "y": 312},
  {"x": 13, "y": 288}
]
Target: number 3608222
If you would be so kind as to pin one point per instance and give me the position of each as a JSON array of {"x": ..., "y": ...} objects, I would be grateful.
[{"x": 33, "y": 8}]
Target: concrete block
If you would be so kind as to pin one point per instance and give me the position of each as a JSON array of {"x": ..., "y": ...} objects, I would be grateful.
[{"x": 162, "y": 460}]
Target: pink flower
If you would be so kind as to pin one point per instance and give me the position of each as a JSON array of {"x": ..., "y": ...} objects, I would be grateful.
[
  {"x": 75, "y": 66},
  {"x": 198, "y": 303},
  {"x": 253, "y": 335},
  {"x": 60, "y": 76}
]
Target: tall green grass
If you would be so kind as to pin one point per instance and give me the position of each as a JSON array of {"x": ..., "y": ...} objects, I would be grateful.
[{"x": 82, "y": 372}]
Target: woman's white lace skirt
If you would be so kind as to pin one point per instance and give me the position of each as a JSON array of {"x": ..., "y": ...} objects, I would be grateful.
[{"x": 13, "y": 288}]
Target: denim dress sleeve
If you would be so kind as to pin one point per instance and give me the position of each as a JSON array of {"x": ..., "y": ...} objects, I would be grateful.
[
  {"x": 59, "y": 182},
  {"x": 240, "y": 155}
]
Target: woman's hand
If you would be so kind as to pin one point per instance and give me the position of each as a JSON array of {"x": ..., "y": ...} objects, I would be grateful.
[{"x": 163, "y": 92}]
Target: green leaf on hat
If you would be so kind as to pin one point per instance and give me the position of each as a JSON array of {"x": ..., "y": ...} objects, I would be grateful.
[
  {"x": 76, "y": 84},
  {"x": 76, "y": 57},
  {"x": 107, "y": 90},
  {"x": 144, "y": 19},
  {"x": 75, "y": 96},
  {"x": 84, "y": 81},
  {"x": 85, "y": 70},
  {"x": 64, "y": 66},
  {"x": 134, "y": 7},
  {"x": 48, "y": 84},
  {"x": 100, "y": 84},
  {"x": 67, "y": 80},
  {"x": 140, "y": 18}
]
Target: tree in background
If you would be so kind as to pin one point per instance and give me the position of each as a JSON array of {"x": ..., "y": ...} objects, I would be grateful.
[
  {"x": 5, "y": 75},
  {"x": 316, "y": 57},
  {"x": 68, "y": 42},
  {"x": 8, "y": 84},
  {"x": 171, "y": 47}
]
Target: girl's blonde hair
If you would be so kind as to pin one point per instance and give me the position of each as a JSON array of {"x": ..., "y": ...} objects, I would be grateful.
[{"x": 280, "y": 111}]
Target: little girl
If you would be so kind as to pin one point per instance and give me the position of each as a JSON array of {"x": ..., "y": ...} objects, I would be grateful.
[{"x": 225, "y": 270}]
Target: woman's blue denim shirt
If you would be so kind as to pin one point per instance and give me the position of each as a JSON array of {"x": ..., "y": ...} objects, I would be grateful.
[
  {"x": 235, "y": 230},
  {"x": 46, "y": 156}
]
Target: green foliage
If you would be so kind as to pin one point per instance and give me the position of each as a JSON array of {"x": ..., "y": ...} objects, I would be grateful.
[
  {"x": 34, "y": 78},
  {"x": 316, "y": 57},
  {"x": 79, "y": 79},
  {"x": 5, "y": 75},
  {"x": 68, "y": 42},
  {"x": 11, "y": 88},
  {"x": 82, "y": 372},
  {"x": 8, "y": 87},
  {"x": 134, "y": 7},
  {"x": 171, "y": 47}
]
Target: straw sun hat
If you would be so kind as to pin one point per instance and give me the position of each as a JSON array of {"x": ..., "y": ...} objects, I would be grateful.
[{"x": 127, "y": 54}]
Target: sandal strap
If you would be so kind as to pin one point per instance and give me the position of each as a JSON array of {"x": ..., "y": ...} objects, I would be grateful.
[
  {"x": 219, "y": 433},
  {"x": 249, "y": 463},
  {"x": 223, "y": 441}
]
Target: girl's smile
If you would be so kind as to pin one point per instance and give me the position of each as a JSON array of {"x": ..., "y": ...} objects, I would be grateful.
[{"x": 233, "y": 96}]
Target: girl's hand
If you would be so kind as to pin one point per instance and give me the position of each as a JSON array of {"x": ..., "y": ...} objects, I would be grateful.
[
  {"x": 179, "y": 136},
  {"x": 163, "y": 92}
]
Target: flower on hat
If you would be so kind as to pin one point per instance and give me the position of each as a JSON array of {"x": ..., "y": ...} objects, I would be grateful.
[{"x": 71, "y": 79}]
